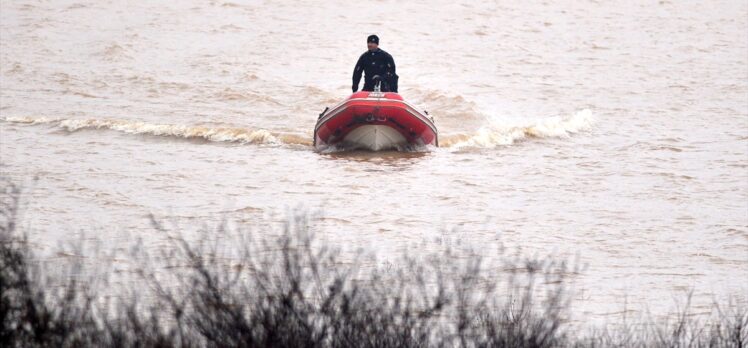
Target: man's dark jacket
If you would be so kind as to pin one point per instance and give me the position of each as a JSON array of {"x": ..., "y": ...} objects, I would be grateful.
[{"x": 374, "y": 63}]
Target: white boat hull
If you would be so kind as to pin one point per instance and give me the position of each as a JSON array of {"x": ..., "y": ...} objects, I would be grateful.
[{"x": 375, "y": 138}]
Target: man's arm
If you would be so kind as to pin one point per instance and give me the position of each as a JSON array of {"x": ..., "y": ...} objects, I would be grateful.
[
  {"x": 391, "y": 73},
  {"x": 357, "y": 71},
  {"x": 390, "y": 65}
]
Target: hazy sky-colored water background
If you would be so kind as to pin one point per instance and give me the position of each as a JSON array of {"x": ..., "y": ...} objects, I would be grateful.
[{"x": 615, "y": 131}]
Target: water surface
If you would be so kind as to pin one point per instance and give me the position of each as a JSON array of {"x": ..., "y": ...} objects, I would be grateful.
[{"x": 616, "y": 132}]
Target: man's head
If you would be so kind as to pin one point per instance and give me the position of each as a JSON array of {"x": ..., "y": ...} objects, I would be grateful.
[{"x": 372, "y": 42}]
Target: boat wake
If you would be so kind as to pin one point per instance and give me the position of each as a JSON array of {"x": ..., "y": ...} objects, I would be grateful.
[
  {"x": 209, "y": 133},
  {"x": 498, "y": 132},
  {"x": 502, "y": 132}
]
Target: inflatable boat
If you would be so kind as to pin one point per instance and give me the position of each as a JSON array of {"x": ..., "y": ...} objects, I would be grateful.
[{"x": 374, "y": 121}]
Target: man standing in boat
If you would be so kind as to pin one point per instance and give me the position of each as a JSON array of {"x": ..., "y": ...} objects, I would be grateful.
[{"x": 375, "y": 62}]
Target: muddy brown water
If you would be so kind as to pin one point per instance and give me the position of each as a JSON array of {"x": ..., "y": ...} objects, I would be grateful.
[{"x": 613, "y": 131}]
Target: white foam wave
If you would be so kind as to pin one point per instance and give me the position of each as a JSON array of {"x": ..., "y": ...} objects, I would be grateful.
[
  {"x": 217, "y": 134},
  {"x": 506, "y": 132},
  {"x": 496, "y": 133},
  {"x": 31, "y": 120}
]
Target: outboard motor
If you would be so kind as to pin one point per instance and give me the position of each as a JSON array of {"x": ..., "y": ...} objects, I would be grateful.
[
  {"x": 377, "y": 83},
  {"x": 386, "y": 83}
]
